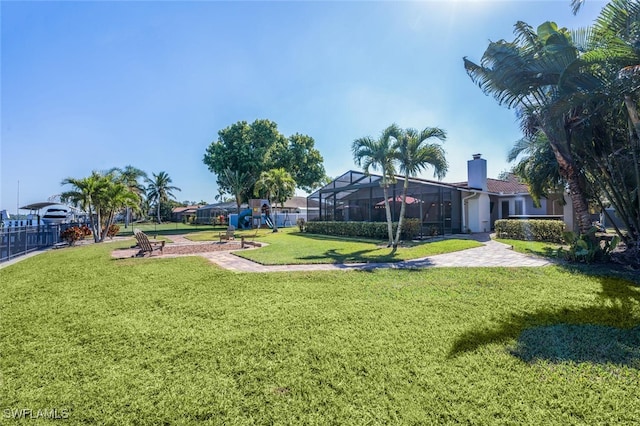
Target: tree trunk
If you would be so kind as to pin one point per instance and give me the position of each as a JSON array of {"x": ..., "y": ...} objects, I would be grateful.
[
  {"x": 275, "y": 218},
  {"x": 94, "y": 229},
  {"x": 98, "y": 226},
  {"x": 158, "y": 209},
  {"x": 578, "y": 200},
  {"x": 385, "y": 192},
  {"x": 403, "y": 207}
]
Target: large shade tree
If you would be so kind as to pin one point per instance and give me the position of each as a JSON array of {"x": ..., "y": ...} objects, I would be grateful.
[
  {"x": 160, "y": 190},
  {"x": 379, "y": 154},
  {"x": 251, "y": 149},
  {"x": 414, "y": 153}
]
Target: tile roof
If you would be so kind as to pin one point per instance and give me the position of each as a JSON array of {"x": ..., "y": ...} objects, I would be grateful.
[
  {"x": 184, "y": 209},
  {"x": 511, "y": 185}
]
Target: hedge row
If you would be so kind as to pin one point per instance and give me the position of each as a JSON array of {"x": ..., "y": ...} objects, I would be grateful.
[
  {"x": 531, "y": 230},
  {"x": 378, "y": 230}
]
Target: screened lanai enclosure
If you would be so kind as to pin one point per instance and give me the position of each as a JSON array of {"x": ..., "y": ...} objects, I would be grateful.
[{"x": 355, "y": 196}]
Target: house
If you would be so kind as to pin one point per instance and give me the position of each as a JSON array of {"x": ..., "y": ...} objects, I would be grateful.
[
  {"x": 181, "y": 214},
  {"x": 211, "y": 213},
  {"x": 445, "y": 208}
]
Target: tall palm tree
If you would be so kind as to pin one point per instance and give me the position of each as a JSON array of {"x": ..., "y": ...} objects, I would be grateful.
[
  {"x": 159, "y": 190},
  {"x": 279, "y": 186},
  {"x": 131, "y": 176},
  {"x": 414, "y": 153},
  {"x": 537, "y": 74},
  {"x": 379, "y": 154}
]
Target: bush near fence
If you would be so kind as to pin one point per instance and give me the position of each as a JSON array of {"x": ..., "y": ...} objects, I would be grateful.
[
  {"x": 531, "y": 230},
  {"x": 377, "y": 230}
]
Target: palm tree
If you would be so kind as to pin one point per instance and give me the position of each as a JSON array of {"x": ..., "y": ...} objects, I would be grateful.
[
  {"x": 540, "y": 74},
  {"x": 238, "y": 184},
  {"x": 84, "y": 195},
  {"x": 616, "y": 33},
  {"x": 379, "y": 154},
  {"x": 536, "y": 166},
  {"x": 414, "y": 153},
  {"x": 115, "y": 196},
  {"x": 279, "y": 186},
  {"x": 159, "y": 190},
  {"x": 100, "y": 195},
  {"x": 131, "y": 176}
]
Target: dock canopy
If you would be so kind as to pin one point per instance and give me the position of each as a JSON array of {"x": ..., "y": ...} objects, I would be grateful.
[{"x": 38, "y": 206}]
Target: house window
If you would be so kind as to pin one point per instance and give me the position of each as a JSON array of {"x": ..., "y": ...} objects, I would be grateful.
[
  {"x": 519, "y": 205},
  {"x": 505, "y": 209}
]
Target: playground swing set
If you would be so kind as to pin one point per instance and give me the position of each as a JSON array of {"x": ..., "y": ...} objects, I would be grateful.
[{"x": 257, "y": 215}]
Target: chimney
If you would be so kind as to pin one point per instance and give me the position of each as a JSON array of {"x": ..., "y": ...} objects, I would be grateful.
[{"x": 477, "y": 172}]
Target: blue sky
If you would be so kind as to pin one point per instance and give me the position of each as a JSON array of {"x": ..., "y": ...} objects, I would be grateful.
[{"x": 93, "y": 85}]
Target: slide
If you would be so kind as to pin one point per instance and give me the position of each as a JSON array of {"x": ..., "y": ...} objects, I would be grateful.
[
  {"x": 267, "y": 220},
  {"x": 244, "y": 219}
]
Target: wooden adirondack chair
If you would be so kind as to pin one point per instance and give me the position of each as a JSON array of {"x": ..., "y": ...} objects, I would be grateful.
[{"x": 145, "y": 245}]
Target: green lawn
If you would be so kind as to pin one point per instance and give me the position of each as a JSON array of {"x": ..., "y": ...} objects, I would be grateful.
[
  {"x": 177, "y": 341},
  {"x": 289, "y": 247},
  {"x": 533, "y": 247}
]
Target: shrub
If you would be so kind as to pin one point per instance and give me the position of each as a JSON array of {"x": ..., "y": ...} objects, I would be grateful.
[
  {"x": 86, "y": 231},
  {"x": 377, "y": 230},
  {"x": 71, "y": 235},
  {"x": 113, "y": 230},
  {"x": 530, "y": 230},
  {"x": 410, "y": 228},
  {"x": 587, "y": 248}
]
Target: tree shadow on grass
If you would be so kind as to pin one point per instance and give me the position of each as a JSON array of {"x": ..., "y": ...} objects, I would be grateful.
[
  {"x": 608, "y": 332},
  {"x": 580, "y": 343},
  {"x": 357, "y": 256}
]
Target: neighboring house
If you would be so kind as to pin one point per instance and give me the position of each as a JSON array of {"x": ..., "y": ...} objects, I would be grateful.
[
  {"x": 473, "y": 205},
  {"x": 294, "y": 208},
  {"x": 206, "y": 215},
  {"x": 180, "y": 214}
]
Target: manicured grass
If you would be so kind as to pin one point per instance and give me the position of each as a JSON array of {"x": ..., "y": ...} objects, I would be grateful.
[
  {"x": 167, "y": 228},
  {"x": 176, "y": 341},
  {"x": 289, "y": 246},
  {"x": 533, "y": 247}
]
